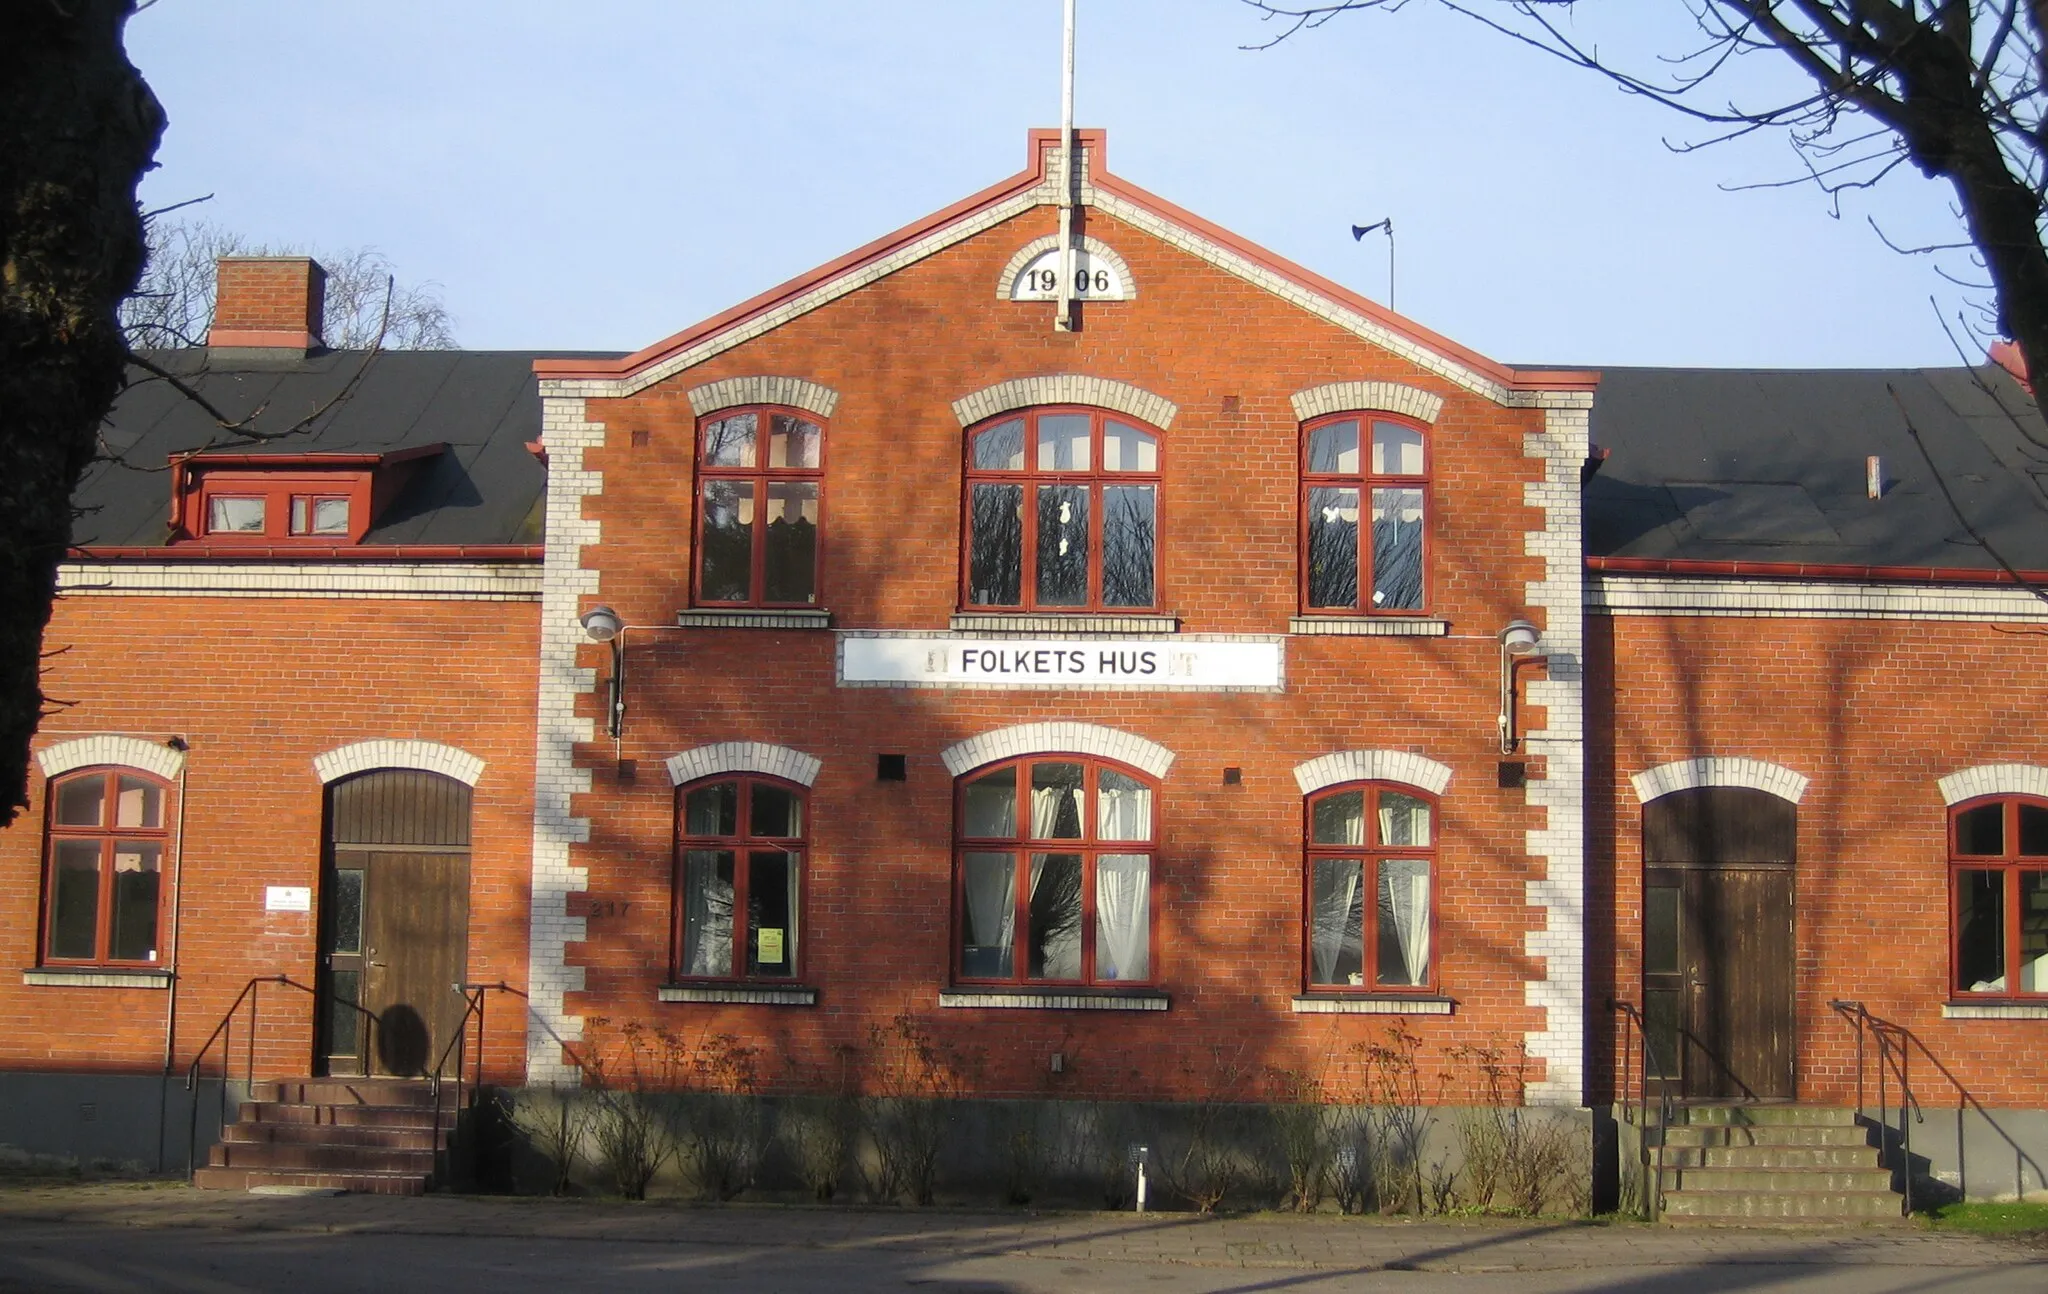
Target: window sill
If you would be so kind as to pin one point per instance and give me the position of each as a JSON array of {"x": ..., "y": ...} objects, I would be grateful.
[
  {"x": 1370, "y": 626},
  {"x": 1370, "y": 1004},
  {"x": 97, "y": 977},
  {"x": 1080, "y": 622},
  {"x": 741, "y": 994},
  {"x": 1994, "y": 1010},
  {"x": 1064, "y": 999},
  {"x": 753, "y": 618}
]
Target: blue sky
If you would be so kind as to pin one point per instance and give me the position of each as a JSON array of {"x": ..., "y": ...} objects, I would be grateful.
[{"x": 599, "y": 175}]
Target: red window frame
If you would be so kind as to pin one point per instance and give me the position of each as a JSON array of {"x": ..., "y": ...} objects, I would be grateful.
[
  {"x": 1032, "y": 479},
  {"x": 740, "y": 845},
  {"x": 1373, "y": 853},
  {"x": 108, "y": 836},
  {"x": 277, "y": 490},
  {"x": 1022, "y": 844},
  {"x": 2010, "y": 864},
  {"x": 1365, "y": 481},
  {"x": 760, "y": 475}
]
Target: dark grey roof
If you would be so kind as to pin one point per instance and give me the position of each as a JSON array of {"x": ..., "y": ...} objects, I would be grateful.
[
  {"x": 1768, "y": 466},
  {"x": 486, "y": 489}
]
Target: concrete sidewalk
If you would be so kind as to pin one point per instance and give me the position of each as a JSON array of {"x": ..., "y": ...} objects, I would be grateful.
[{"x": 1320, "y": 1243}]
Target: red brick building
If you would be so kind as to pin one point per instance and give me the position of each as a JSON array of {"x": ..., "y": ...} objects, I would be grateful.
[{"x": 1175, "y": 698}]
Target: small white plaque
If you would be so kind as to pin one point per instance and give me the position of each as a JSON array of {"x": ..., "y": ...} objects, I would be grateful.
[
  {"x": 1178, "y": 663},
  {"x": 288, "y": 898},
  {"x": 1095, "y": 279}
]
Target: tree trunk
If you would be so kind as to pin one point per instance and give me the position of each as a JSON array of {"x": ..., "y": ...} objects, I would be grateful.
[{"x": 78, "y": 127}]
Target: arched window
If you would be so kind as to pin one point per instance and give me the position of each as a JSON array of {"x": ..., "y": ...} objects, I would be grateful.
[
  {"x": 108, "y": 839},
  {"x": 738, "y": 879},
  {"x": 761, "y": 482},
  {"x": 1053, "y": 872},
  {"x": 1353, "y": 468},
  {"x": 1062, "y": 512},
  {"x": 1998, "y": 863},
  {"x": 1371, "y": 863}
]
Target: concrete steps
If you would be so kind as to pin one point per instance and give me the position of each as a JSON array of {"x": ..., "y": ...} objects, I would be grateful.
[
  {"x": 376, "y": 1136},
  {"x": 1783, "y": 1162}
]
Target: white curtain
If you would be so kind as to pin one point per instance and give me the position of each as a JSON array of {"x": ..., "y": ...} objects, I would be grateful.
[
  {"x": 707, "y": 912},
  {"x": 991, "y": 903},
  {"x": 1123, "y": 808},
  {"x": 1123, "y": 916},
  {"x": 1056, "y": 811},
  {"x": 1404, "y": 820},
  {"x": 1404, "y": 906},
  {"x": 1338, "y": 918}
]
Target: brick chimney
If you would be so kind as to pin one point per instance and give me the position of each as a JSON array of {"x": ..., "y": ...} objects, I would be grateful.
[{"x": 268, "y": 305}]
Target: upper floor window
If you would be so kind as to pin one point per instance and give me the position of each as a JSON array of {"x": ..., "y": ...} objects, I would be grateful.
[
  {"x": 1356, "y": 469},
  {"x": 761, "y": 483},
  {"x": 272, "y": 506},
  {"x": 1062, "y": 512},
  {"x": 104, "y": 862},
  {"x": 738, "y": 881},
  {"x": 1371, "y": 860},
  {"x": 1998, "y": 862},
  {"x": 1053, "y": 873}
]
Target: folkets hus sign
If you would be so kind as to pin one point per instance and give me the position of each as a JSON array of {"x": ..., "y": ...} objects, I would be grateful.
[{"x": 943, "y": 660}]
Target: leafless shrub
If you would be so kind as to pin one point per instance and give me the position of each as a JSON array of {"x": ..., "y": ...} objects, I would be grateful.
[
  {"x": 555, "y": 1126},
  {"x": 1203, "y": 1163},
  {"x": 634, "y": 1126},
  {"x": 1514, "y": 1156},
  {"x": 1398, "y": 1120},
  {"x": 722, "y": 1135},
  {"x": 1303, "y": 1128},
  {"x": 910, "y": 1115}
]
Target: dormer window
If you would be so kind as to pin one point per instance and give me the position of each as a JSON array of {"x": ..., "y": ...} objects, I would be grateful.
[{"x": 286, "y": 500}]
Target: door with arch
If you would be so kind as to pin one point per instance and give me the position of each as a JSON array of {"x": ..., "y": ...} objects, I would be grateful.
[
  {"x": 394, "y": 922},
  {"x": 1719, "y": 959}
]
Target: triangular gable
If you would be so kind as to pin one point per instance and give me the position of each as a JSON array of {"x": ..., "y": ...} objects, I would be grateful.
[{"x": 1039, "y": 185}]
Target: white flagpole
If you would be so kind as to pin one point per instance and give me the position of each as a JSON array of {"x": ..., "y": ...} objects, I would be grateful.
[{"x": 1065, "y": 321}]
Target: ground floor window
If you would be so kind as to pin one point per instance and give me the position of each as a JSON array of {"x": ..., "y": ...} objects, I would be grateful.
[
  {"x": 1053, "y": 873},
  {"x": 1371, "y": 863},
  {"x": 738, "y": 881},
  {"x": 103, "y": 879},
  {"x": 1998, "y": 864}
]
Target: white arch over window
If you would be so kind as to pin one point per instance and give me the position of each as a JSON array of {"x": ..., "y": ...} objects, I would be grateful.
[
  {"x": 1066, "y": 388},
  {"x": 107, "y": 748},
  {"x": 792, "y": 391},
  {"x": 1711, "y": 770},
  {"x": 1994, "y": 779},
  {"x": 1031, "y": 251},
  {"x": 1403, "y": 766},
  {"x": 1058, "y": 738},
  {"x": 1367, "y": 397},
  {"x": 392, "y": 752},
  {"x": 743, "y": 757}
]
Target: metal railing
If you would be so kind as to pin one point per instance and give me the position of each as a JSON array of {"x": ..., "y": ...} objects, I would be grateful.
[
  {"x": 224, "y": 1034},
  {"x": 458, "y": 1047},
  {"x": 1638, "y": 1114},
  {"x": 1895, "y": 1045}
]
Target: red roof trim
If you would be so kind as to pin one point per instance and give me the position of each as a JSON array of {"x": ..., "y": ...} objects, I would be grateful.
[
  {"x": 1810, "y": 571},
  {"x": 311, "y": 553},
  {"x": 1029, "y": 178}
]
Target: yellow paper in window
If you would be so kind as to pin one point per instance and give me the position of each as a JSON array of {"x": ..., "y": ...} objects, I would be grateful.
[{"x": 769, "y": 948}]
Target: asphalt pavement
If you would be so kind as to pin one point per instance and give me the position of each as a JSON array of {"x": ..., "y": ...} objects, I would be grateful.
[{"x": 117, "y": 1238}]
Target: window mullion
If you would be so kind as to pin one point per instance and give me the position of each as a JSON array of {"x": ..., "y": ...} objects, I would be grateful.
[{"x": 103, "y": 937}]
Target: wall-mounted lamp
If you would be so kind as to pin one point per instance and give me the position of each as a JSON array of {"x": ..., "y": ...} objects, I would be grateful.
[
  {"x": 601, "y": 624},
  {"x": 1518, "y": 643}
]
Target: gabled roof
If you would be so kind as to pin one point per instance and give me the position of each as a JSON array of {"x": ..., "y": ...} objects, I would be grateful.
[
  {"x": 484, "y": 490},
  {"x": 1744, "y": 469},
  {"x": 1038, "y": 185}
]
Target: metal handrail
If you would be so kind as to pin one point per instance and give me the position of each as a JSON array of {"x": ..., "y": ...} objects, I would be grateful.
[
  {"x": 224, "y": 1033},
  {"x": 1632, "y": 1019},
  {"x": 1895, "y": 1046}
]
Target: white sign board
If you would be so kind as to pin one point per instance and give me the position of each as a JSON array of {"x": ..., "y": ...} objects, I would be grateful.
[
  {"x": 1095, "y": 279},
  {"x": 287, "y": 898},
  {"x": 917, "y": 661}
]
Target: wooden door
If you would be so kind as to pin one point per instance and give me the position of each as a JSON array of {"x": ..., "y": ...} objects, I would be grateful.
[
  {"x": 395, "y": 922},
  {"x": 1719, "y": 957}
]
